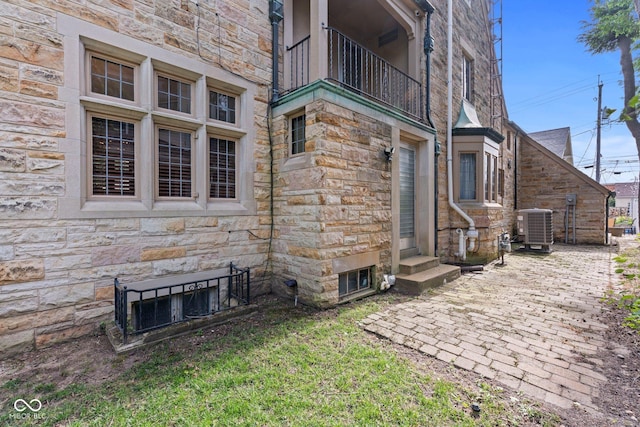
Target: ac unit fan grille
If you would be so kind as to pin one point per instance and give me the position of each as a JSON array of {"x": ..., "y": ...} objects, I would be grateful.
[{"x": 540, "y": 228}]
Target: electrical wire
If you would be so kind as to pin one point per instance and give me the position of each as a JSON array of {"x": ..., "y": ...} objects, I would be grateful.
[
  {"x": 554, "y": 95},
  {"x": 588, "y": 145},
  {"x": 219, "y": 61},
  {"x": 269, "y": 262}
]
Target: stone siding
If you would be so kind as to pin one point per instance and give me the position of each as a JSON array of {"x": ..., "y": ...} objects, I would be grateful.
[
  {"x": 545, "y": 181},
  {"x": 335, "y": 202},
  {"x": 333, "y": 206},
  {"x": 56, "y": 275},
  {"x": 475, "y": 41}
]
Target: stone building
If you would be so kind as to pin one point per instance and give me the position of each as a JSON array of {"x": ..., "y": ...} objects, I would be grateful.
[
  {"x": 133, "y": 144},
  {"x": 324, "y": 142},
  {"x": 626, "y": 200},
  {"x": 548, "y": 180}
]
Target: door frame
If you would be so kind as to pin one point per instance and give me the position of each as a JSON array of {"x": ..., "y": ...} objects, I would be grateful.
[{"x": 424, "y": 144}]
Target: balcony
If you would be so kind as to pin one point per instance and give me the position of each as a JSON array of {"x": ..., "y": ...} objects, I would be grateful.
[{"x": 357, "y": 69}]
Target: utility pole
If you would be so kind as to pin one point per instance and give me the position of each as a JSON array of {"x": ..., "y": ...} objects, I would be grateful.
[{"x": 599, "y": 129}]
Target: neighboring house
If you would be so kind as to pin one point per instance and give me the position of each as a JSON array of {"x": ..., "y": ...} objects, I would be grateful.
[
  {"x": 558, "y": 141},
  {"x": 144, "y": 140},
  {"x": 546, "y": 180},
  {"x": 627, "y": 198}
]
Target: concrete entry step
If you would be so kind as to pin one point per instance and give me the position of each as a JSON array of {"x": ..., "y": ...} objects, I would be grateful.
[
  {"x": 417, "y": 264},
  {"x": 415, "y": 284}
]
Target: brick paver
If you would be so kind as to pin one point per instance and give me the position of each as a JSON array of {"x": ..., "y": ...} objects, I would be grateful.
[{"x": 531, "y": 324}]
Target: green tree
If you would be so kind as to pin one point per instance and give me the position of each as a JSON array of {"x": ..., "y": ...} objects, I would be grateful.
[{"x": 614, "y": 27}]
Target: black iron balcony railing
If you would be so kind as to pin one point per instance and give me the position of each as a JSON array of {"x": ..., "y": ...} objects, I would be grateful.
[
  {"x": 299, "y": 66},
  {"x": 156, "y": 303},
  {"x": 356, "y": 68}
]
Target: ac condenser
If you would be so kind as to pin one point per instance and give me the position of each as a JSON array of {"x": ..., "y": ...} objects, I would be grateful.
[{"x": 535, "y": 226}]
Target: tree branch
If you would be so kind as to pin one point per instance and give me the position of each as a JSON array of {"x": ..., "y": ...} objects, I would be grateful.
[{"x": 628, "y": 74}]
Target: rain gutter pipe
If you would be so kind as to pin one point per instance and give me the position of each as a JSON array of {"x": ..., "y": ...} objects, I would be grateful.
[
  {"x": 519, "y": 133},
  {"x": 276, "y": 14},
  {"x": 428, "y": 9},
  {"x": 472, "y": 233}
]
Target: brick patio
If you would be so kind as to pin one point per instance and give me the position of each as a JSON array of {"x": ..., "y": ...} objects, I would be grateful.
[{"x": 531, "y": 324}]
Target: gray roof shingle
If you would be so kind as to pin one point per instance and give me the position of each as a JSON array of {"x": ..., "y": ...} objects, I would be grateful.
[{"x": 558, "y": 141}]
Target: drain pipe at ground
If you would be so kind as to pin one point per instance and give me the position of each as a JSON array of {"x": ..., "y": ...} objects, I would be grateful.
[{"x": 472, "y": 234}]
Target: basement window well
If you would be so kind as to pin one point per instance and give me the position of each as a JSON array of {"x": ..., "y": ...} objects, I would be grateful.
[{"x": 354, "y": 281}]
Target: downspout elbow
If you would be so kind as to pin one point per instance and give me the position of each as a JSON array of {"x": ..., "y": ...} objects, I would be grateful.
[{"x": 472, "y": 235}]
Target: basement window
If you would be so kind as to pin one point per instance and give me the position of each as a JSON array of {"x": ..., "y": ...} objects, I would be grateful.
[{"x": 354, "y": 281}]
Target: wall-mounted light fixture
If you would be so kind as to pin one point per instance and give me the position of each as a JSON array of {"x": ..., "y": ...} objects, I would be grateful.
[
  {"x": 508, "y": 163},
  {"x": 388, "y": 152}
]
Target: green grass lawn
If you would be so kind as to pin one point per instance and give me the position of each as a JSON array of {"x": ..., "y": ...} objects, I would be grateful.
[
  {"x": 627, "y": 297},
  {"x": 285, "y": 366}
]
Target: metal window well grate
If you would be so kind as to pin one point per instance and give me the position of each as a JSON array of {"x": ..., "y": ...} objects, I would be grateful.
[{"x": 152, "y": 304}]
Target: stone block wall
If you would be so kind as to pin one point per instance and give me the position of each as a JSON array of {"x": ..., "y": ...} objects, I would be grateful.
[
  {"x": 332, "y": 206},
  {"x": 56, "y": 275},
  {"x": 333, "y": 202},
  {"x": 57, "y": 282},
  {"x": 544, "y": 181},
  {"x": 471, "y": 37}
]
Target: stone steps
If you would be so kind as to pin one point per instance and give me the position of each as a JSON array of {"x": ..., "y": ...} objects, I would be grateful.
[
  {"x": 418, "y": 263},
  {"x": 419, "y": 273}
]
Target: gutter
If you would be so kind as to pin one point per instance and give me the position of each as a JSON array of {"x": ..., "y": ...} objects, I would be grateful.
[
  {"x": 275, "y": 16},
  {"x": 428, "y": 49}
]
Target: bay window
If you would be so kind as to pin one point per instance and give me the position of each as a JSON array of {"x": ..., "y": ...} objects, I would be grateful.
[
  {"x": 491, "y": 177},
  {"x": 475, "y": 165}
]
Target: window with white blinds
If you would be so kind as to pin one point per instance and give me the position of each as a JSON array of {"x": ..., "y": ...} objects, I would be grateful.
[
  {"x": 119, "y": 165},
  {"x": 174, "y": 163}
]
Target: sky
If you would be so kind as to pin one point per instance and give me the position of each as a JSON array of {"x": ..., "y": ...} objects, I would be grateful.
[{"x": 551, "y": 81}]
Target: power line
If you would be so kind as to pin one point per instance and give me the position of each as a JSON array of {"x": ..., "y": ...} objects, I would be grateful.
[
  {"x": 559, "y": 89},
  {"x": 551, "y": 96}
]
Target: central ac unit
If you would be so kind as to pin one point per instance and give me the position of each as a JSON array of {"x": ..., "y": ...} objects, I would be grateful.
[{"x": 535, "y": 226}]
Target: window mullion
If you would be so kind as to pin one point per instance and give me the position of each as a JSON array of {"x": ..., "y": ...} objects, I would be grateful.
[{"x": 121, "y": 89}]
